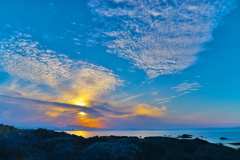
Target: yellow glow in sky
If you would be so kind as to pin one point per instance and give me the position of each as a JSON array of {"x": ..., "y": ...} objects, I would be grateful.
[
  {"x": 80, "y": 102},
  {"x": 88, "y": 122},
  {"x": 82, "y": 113}
]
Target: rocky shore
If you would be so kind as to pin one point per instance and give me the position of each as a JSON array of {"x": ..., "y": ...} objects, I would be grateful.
[{"x": 42, "y": 144}]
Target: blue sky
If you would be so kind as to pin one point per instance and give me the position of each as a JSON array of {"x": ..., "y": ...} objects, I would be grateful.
[{"x": 124, "y": 64}]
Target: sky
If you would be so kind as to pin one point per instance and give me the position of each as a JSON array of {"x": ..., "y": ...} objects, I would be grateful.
[{"x": 145, "y": 64}]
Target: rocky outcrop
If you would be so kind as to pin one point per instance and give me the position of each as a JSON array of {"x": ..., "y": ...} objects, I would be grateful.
[
  {"x": 45, "y": 144},
  {"x": 236, "y": 143},
  {"x": 185, "y": 136}
]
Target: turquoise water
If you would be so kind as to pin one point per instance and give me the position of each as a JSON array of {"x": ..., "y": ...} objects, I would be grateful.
[{"x": 211, "y": 135}]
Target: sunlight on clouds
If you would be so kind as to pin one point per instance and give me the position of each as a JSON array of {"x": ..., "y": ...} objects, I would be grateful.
[
  {"x": 160, "y": 37},
  {"x": 133, "y": 115},
  {"x": 53, "y": 114},
  {"x": 43, "y": 74},
  {"x": 54, "y": 111},
  {"x": 79, "y": 101},
  {"x": 89, "y": 122},
  {"x": 145, "y": 109},
  {"x": 131, "y": 110},
  {"x": 74, "y": 81},
  {"x": 35, "y": 110}
]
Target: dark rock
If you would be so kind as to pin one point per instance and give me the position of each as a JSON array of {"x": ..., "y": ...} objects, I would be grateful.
[
  {"x": 167, "y": 148},
  {"x": 45, "y": 134},
  {"x": 44, "y": 144},
  {"x": 223, "y": 138},
  {"x": 200, "y": 140},
  {"x": 113, "y": 151},
  {"x": 185, "y": 136},
  {"x": 219, "y": 144},
  {"x": 49, "y": 144},
  {"x": 236, "y": 143},
  {"x": 65, "y": 151}
]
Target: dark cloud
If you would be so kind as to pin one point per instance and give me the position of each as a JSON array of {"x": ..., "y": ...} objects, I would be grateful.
[
  {"x": 106, "y": 107},
  {"x": 33, "y": 102}
]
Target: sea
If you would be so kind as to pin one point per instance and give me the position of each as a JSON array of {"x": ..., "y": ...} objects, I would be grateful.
[{"x": 211, "y": 135}]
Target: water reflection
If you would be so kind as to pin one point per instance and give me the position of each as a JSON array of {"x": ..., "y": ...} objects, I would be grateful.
[{"x": 84, "y": 134}]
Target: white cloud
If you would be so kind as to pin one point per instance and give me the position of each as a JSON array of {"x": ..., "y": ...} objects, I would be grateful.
[
  {"x": 160, "y": 37},
  {"x": 154, "y": 93},
  {"x": 187, "y": 87},
  {"x": 32, "y": 65},
  {"x": 130, "y": 98},
  {"x": 165, "y": 100}
]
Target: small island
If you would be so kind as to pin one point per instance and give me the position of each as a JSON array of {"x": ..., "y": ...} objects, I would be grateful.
[{"x": 43, "y": 144}]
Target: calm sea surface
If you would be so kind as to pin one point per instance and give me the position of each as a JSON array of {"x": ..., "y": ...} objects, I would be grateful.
[{"x": 211, "y": 135}]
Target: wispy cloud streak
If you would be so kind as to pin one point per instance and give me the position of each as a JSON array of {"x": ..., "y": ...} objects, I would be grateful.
[{"x": 184, "y": 87}]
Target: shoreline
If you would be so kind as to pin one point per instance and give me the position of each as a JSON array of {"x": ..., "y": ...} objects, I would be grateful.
[{"x": 216, "y": 139}]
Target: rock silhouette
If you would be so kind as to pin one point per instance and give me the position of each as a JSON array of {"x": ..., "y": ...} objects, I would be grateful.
[{"x": 42, "y": 144}]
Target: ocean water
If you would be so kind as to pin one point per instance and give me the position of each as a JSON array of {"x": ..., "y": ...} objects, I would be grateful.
[{"x": 211, "y": 135}]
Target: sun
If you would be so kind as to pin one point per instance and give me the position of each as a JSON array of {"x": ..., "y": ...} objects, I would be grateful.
[{"x": 82, "y": 113}]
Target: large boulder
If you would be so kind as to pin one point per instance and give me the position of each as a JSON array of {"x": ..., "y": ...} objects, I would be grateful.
[{"x": 185, "y": 136}]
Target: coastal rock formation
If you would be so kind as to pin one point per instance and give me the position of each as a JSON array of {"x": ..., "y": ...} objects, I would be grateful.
[
  {"x": 185, "y": 136},
  {"x": 236, "y": 143},
  {"x": 42, "y": 144}
]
